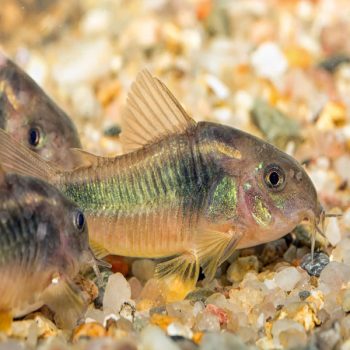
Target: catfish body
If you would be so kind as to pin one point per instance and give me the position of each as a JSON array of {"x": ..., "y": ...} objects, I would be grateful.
[
  {"x": 195, "y": 191},
  {"x": 43, "y": 244},
  {"x": 32, "y": 118}
]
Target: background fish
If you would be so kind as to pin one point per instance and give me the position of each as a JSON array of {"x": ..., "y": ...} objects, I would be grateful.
[
  {"x": 43, "y": 244},
  {"x": 32, "y": 118},
  {"x": 193, "y": 191}
]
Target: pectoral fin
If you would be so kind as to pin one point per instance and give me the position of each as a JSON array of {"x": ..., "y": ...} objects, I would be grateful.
[
  {"x": 67, "y": 301},
  {"x": 5, "y": 321},
  {"x": 213, "y": 248},
  {"x": 98, "y": 250},
  {"x": 180, "y": 275}
]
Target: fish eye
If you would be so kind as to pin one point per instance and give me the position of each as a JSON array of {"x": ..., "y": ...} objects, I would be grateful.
[
  {"x": 34, "y": 136},
  {"x": 79, "y": 220},
  {"x": 274, "y": 177}
]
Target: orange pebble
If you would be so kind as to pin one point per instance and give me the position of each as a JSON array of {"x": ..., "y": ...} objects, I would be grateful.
[
  {"x": 88, "y": 330},
  {"x": 162, "y": 321},
  {"x": 118, "y": 264},
  {"x": 197, "y": 337}
]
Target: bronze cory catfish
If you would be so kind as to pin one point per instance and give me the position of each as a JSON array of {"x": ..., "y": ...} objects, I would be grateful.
[
  {"x": 190, "y": 191},
  {"x": 32, "y": 118},
  {"x": 43, "y": 244}
]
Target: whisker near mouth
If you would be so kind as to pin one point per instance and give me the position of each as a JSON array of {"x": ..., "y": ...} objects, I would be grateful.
[{"x": 320, "y": 231}]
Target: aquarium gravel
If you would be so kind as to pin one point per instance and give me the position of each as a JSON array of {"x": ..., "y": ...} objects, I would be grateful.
[{"x": 277, "y": 69}]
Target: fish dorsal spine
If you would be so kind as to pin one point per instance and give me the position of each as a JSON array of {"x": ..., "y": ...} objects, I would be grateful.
[{"x": 151, "y": 113}]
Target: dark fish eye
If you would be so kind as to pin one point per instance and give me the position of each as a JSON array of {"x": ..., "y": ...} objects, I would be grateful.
[
  {"x": 79, "y": 220},
  {"x": 34, "y": 136},
  {"x": 274, "y": 177}
]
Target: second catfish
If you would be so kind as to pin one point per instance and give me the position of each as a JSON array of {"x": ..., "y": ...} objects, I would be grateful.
[{"x": 189, "y": 191}]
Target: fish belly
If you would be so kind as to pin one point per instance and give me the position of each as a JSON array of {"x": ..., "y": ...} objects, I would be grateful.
[{"x": 151, "y": 235}]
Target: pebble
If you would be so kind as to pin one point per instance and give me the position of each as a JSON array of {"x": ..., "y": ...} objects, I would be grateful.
[
  {"x": 223, "y": 341},
  {"x": 199, "y": 294},
  {"x": 143, "y": 269},
  {"x": 207, "y": 321},
  {"x": 331, "y": 64},
  {"x": 288, "y": 333},
  {"x": 178, "y": 329},
  {"x": 112, "y": 131},
  {"x": 153, "y": 338},
  {"x": 96, "y": 21},
  {"x": 333, "y": 276},
  {"x": 85, "y": 102},
  {"x": 287, "y": 278},
  {"x": 269, "y": 61},
  {"x": 117, "y": 292},
  {"x": 70, "y": 70},
  {"x": 88, "y": 330},
  {"x": 314, "y": 266},
  {"x": 277, "y": 128},
  {"x": 217, "y": 86},
  {"x": 241, "y": 266}
]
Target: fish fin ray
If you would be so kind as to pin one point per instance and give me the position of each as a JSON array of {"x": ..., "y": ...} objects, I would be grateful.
[
  {"x": 180, "y": 273},
  {"x": 14, "y": 157},
  {"x": 98, "y": 250},
  {"x": 152, "y": 113},
  {"x": 67, "y": 301},
  {"x": 2, "y": 175},
  {"x": 213, "y": 248},
  {"x": 84, "y": 158}
]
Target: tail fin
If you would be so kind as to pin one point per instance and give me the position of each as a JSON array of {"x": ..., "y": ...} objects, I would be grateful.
[{"x": 17, "y": 158}]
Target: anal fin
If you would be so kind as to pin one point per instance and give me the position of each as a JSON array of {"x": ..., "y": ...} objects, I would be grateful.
[
  {"x": 213, "y": 248},
  {"x": 179, "y": 274},
  {"x": 66, "y": 300}
]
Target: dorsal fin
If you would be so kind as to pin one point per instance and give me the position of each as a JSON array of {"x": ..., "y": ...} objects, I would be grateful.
[{"x": 151, "y": 113}]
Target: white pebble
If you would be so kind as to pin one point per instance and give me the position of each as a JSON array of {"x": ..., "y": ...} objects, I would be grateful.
[
  {"x": 333, "y": 231},
  {"x": 96, "y": 21},
  {"x": 269, "y": 61},
  {"x": 83, "y": 62},
  {"x": 117, "y": 292},
  {"x": 341, "y": 253},
  {"x": 85, "y": 102},
  {"x": 178, "y": 329},
  {"x": 217, "y": 86},
  {"x": 37, "y": 69},
  {"x": 222, "y": 114},
  {"x": 287, "y": 278},
  {"x": 342, "y": 166},
  {"x": 153, "y": 338}
]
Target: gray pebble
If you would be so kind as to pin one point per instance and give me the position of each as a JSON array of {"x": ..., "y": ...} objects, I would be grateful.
[{"x": 314, "y": 267}]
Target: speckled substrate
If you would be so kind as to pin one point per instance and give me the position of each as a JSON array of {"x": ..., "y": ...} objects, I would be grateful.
[{"x": 277, "y": 69}]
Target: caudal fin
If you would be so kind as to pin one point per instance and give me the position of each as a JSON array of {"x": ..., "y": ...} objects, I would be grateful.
[{"x": 17, "y": 158}]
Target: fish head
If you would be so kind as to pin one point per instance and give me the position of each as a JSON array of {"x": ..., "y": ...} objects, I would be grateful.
[
  {"x": 74, "y": 239},
  {"x": 33, "y": 119},
  {"x": 272, "y": 190},
  {"x": 60, "y": 226},
  {"x": 276, "y": 192}
]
